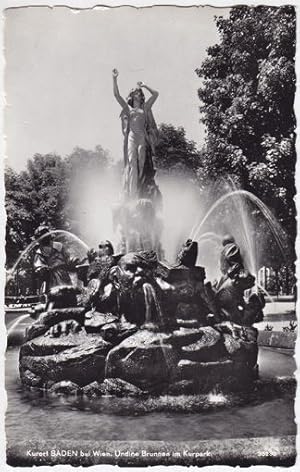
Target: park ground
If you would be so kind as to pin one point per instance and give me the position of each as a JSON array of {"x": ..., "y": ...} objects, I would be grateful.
[{"x": 278, "y": 313}]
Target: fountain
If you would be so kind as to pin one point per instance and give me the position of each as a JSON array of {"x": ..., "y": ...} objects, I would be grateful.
[
  {"x": 35, "y": 242},
  {"x": 244, "y": 226},
  {"x": 140, "y": 327},
  {"x": 139, "y": 323}
]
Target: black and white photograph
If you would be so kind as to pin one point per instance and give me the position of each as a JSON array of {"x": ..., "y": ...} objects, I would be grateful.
[{"x": 150, "y": 241}]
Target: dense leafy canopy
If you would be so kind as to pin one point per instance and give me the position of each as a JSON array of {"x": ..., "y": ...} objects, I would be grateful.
[
  {"x": 175, "y": 154},
  {"x": 247, "y": 95}
]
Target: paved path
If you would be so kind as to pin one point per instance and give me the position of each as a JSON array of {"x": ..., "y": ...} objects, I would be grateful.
[{"x": 280, "y": 308}]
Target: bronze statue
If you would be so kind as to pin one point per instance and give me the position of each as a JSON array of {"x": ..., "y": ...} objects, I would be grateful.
[
  {"x": 51, "y": 261},
  {"x": 140, "y": 138},
  {"x": 230, "y": 289}
]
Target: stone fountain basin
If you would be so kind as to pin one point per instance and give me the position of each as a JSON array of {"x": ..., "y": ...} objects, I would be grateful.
[
  {"x": 277, "y": 339},
  {"x": 186, "y": 360}
]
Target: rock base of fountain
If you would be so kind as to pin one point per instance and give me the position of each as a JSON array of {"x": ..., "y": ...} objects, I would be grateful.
[
  {"x": 145, "y": 328},
  {"x": 121, "y": 360}
]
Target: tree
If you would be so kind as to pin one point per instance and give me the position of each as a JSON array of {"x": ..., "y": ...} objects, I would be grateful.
[
  {"x": 46, "y": 179},
  {"x": 35, "y": 195},
  {"x": 40, "y": 194},
  {"x": 81, "y": 160},
  {"x": 247, "y": 100},
  {"x": 19, "y": 219},
  {"x": 175, "y": 154}
]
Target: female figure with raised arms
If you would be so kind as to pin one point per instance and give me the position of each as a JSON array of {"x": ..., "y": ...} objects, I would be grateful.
[{"x": 140, "y": 137}]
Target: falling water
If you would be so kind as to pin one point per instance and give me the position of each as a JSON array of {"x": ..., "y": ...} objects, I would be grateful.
[
  {"x": 215, "y": 398},
  {"x": 35, "y": 242},
  {"x": 150, "y": 297},
  {"x": 203, "y": 241},
  {"x": 68, "y": 233},
  {"x": 262, "y": 207},
  {"x": 265, "y": 292},
  {"x": 248, "y": 241},
  {"x": 148, "y": 302},
  {"x": 15, "y": 324},
  {"x": 210, "y": 234},
  {"x": 247, "y": 235}
]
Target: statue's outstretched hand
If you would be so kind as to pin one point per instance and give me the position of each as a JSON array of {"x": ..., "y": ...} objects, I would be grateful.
[{"x": 115, "y": 73}]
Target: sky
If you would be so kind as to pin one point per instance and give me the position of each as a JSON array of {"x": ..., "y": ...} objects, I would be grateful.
[{"x": 58, "y": 81}]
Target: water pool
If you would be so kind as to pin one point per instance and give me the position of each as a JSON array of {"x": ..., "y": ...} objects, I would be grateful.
[{"x": 266, "y": 411}]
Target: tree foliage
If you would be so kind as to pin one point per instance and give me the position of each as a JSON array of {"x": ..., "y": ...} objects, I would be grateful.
[
  {"x": 40, "y": 194},
  {"x": 18, "y": 217},
  {"x": 175, "y": 154},
  {"x": 46, "y": 179},
  {"x": 247, "y": 95},
  {"x": 81, "y": 160}
]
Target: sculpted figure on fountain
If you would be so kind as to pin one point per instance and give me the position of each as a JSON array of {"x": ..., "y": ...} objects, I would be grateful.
[
  {"x": 137, "y": 216},
  {"x": 51, "y": 261},
  {"x": 142, "y": 324},
  {"x": 140, "y": 138},
  {"x": 230, "y": 289}
]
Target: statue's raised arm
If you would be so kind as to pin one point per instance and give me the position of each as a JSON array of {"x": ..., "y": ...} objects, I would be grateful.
[
  {"x": 152, "y": 98},
  {"x": 117, "y": 95}
]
